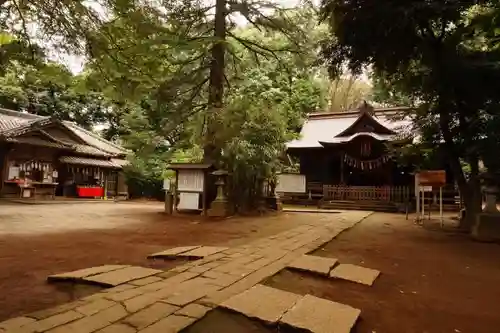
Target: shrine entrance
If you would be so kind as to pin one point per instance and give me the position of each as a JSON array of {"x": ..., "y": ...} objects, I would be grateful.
[{"x": 365, "y": 162}]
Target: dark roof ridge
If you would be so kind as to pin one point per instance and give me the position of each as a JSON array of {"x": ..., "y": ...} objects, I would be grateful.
[
  {"x": 20, "y": 114},
  {"x": 355, "y": 113},
  {"x": 95, "y": 136}
]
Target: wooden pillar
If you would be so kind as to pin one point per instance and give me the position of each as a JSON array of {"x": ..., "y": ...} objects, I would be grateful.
[
  {"x": 176, "y": 190},
  {"x": 342, "y": 157},
  {"x": 204, "y": 193},
  {"x": 105, "y": 194},
  {"x": 4, "y": 164}
]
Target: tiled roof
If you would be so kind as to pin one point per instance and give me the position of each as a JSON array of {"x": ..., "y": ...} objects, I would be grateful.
[
  {"x": 324, "y": 127},
  {"x": 38, "y": 142},
  {"x": 379, "y": 137},
  {"x": 89, "y": 150},
  {"x": 76, "y": 160},
  {"x": 13, "y": 123},
  {"x": 120, "y": 162},
  {"x": 95, "y": 140},
  {"x": 316, "y": 130},
  {"x": 184, "y": 166},
  {"x": 11, "y": 119}
]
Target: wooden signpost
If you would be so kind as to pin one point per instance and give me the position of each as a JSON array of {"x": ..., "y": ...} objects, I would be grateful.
[
  {"x": 191, "y": 186},
  {"x": 426, "y": 181}
]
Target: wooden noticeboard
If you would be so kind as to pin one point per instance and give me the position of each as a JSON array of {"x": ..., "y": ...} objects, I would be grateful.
[
  {"x": 432, "y": 178},
  {"x": 427, "y": 181},
  {"x": 291, "y": 183}
]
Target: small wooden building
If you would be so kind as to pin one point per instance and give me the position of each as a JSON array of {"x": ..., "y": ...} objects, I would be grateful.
[
  {"x": 44, "y": 157},
  {"x": 193, "y": 186},
  {"x": 345, "y": 157}
]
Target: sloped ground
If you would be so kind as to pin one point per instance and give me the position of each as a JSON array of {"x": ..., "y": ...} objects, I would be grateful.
[
  {"x": 40, "y": 240},
  {"x": 431, "y": 281}
]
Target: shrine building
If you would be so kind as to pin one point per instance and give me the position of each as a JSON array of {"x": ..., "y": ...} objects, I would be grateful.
[{"x": 345, "y": 157}]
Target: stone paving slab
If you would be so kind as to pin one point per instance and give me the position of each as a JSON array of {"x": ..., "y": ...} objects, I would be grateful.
[
  {"x": 314, "y": 264},
  {"x": 170, "y": 324},
  {"x": 202, "y": 252},
  {"x": 262, "y": 302},
  {"x": 50, "y": 322},
  {"x": 318, "y": 315},
  {"x": 193, "y": 310},
  {"x": 94, "y": 307},
  {"x": 173, "y": 252},
  {"x": 123, "y": 275},
  {"x": 355, "y": 273},
  {"x": 230, "y": 273},
  {"x": 150, "y": 315},
  {"x": 82, "y": 273},
  {"x": 117, "y": 328},
  {"x": 15, "y": 323},
  {"x": 145, "y": 281},
  {"x": 95, "y": 322}
]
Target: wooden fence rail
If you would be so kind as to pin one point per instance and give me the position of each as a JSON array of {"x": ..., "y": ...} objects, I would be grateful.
[{"x": 366, "y": 193}]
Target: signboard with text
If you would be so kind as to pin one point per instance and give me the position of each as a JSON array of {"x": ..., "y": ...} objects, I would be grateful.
[{"x": 431, "y": 178}]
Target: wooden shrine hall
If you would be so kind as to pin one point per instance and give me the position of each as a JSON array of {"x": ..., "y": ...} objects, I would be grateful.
[
  {"x": 345, "y": 158},
  {"x": 43, "y": 157}
]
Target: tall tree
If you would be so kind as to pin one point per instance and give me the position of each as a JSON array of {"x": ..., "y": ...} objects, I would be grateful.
[
  {"x": 347, "y": 92},
  {"x": 162, "y": 84},
  {"x": 436, "y": 54}
]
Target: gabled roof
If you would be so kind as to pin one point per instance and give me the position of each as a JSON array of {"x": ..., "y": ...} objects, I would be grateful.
[
  {"x": 11, "y": 119},
  {"x": 95, "y": 140},
  {"x": 77, "y": 160},
  {"x": 13, "y": 124},
  {"x": 189, "y": 166},
  {"x": 330, "y": 127}
]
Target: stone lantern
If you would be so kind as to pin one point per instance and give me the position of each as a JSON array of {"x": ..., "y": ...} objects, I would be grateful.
[
  {"x": 275, "y": 197},
  {"x": 261, "y": 204},
  {"x": 491, "y": 196},
  {"x": 487, "y": 226},
  {"x": 220, "y": 206}
]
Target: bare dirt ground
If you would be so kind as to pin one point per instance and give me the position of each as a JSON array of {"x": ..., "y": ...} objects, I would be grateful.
[
  {"x": 39, "y": 240},
  {"x": 432, "y": 281}
]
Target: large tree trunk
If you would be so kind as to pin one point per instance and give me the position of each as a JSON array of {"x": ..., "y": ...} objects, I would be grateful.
[
  {"x": 470, "y": 190},
  {"x": 211, "y": 148}
]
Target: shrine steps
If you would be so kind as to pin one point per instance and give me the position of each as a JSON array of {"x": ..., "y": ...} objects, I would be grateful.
[{"x": 377, "y": 206}]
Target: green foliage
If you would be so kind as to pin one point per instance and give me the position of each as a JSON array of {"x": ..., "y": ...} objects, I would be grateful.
[
  {"x": 148, "y": 75},
  {"x": 49, "y": 89},
  {"x": 163, "y": 94},
  {"x": 441, "y": 57},
  {"x": 347, "y": 92},
  {"x": 253, "y": 144}
]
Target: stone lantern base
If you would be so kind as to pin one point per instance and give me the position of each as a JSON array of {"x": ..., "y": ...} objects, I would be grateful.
[
  {"x": 219, "y": 208},
  {"x": 274, "y": 202},
  {"x": 487, "y": 227}
]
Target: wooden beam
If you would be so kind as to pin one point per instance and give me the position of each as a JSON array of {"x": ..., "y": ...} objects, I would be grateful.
[{"x": 342, "y": 154}]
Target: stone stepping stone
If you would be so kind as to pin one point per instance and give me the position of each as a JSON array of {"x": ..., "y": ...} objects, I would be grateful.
[
  {"x": 121, "y": 276},
  {"x": 107, "y": 275},
  {"x": 355, "y": 273},
  {"x": 262, "y": 302},
  {"x": 314, "y": 264},
  {"x": 202, "y": 252},
  {"x": 318, "y": 315},
  {"x": 172, "y": 253},
  {"x": 82, "y": 273}
]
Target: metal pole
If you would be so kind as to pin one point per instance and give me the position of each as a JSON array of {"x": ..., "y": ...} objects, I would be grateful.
[
  {"x": 418, "y": 203},
  {"x": 423, "y": 205},
  {"x": 441, "y": 205}
]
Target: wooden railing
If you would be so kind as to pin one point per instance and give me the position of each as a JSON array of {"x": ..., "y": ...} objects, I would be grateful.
[{"x": 366, "y": 193}]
